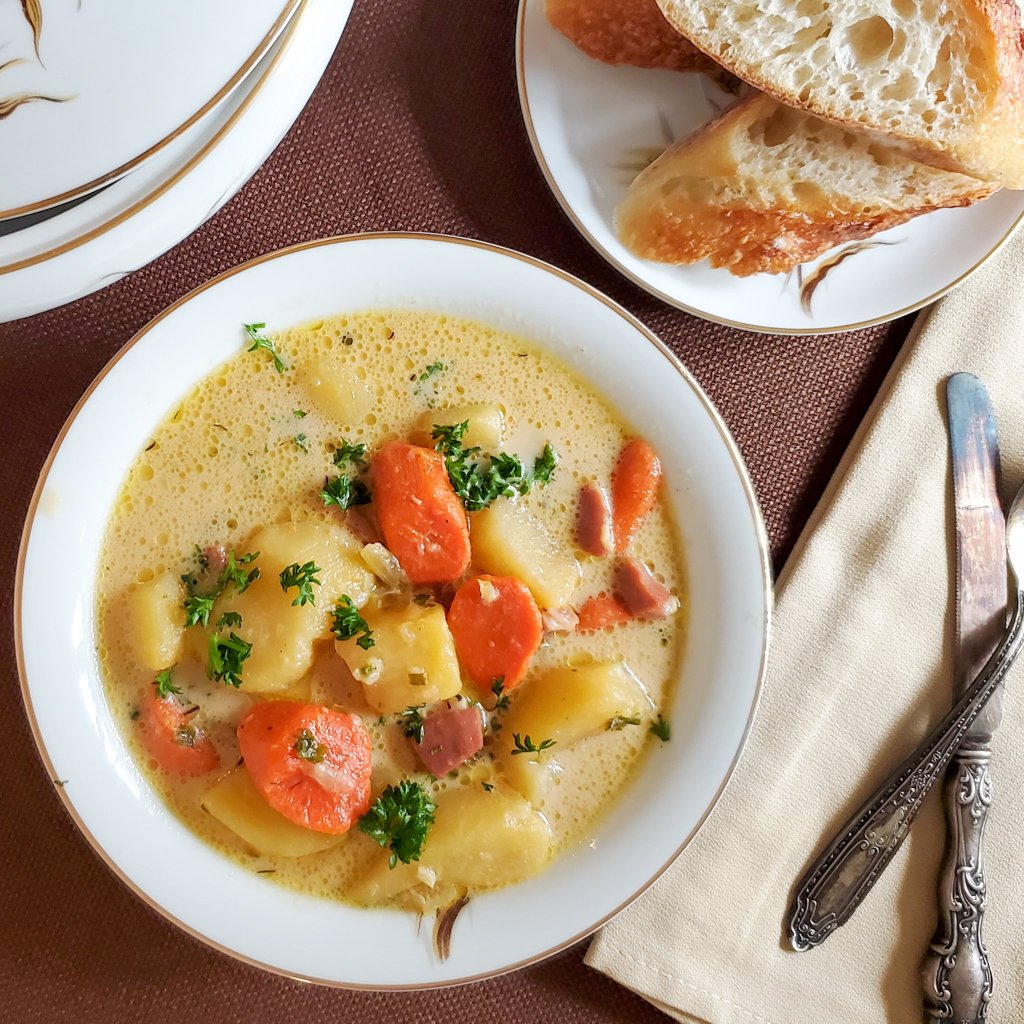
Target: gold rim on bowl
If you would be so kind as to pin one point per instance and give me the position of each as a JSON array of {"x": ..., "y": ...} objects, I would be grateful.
[{"x": 720, "y": 425}]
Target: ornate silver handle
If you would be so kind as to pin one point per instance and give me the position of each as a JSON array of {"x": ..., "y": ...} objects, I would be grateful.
[
  {"x": 956, "y": 972},
  {"x": 841, "y": 877}
]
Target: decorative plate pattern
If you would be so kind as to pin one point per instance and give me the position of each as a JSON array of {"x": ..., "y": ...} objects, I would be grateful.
[{"x": 89, "y": 90}]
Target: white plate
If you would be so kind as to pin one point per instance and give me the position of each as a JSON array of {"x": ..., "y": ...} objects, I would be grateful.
[
  {"x": 316, "y": 939},
  {"x": 110, "y": 83},
  {"x": 594, "y": 127},
  {"x": 144, "y": 213}
]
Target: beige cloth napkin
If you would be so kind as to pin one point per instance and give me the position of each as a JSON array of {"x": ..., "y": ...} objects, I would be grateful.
[{"x": 859, "y": 669}]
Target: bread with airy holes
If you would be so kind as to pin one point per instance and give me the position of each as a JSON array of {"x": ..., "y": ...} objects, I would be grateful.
[
  {"x": 765, "y": 187},
  {"x": 946, "y": 77}
]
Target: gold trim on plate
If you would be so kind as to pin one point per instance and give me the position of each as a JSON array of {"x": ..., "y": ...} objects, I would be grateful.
[
  {"x": 286, "y": 40},
  {"x": 723, "y": 430},
  {"x": 524, "y": 104},
  {"x": 250, "y": 62}
]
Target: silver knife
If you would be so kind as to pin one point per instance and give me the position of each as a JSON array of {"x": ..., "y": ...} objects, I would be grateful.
[{"x": 956, "y": 972}]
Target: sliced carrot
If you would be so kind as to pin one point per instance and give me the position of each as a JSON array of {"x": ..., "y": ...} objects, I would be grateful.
[
  {"x": 497, "y": 627},
  {"x": 635, "y": 482},
  {"x": 602, "y": 611},
  {"x": 175, "y": 738},
  {"x": 423, "y": 521},
  {"x": 311, "y": 764}
]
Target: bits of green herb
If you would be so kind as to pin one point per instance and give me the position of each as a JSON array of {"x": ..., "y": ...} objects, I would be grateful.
[
  {"x": 164, "y": 686},
  {"x": 307, "y": 747},
  {"x": 400, "y": 818},
  {"x": 198, "y": 608},
  {"x": 411, "y": 721},
  {"x": 525, "y": 745},
  {"x": 480, "y": 479},
  {"x": 347, "y": 452},
  {"x": 301, "y": 441},
  {"x": 229, "y": 619},
  {"x": 661, "y": 729},
  {"x": 347, "y": 623},
  {"x": 225, "y": 656},
  {"x": 267, "y": 344},
  {"x": 344, "y": 492},
  {"x": 498, "y": 689},
  {"x": 302, "y": 577},
  {"x": 299, "y": 414},
  {"x": 619, "y": 722}
]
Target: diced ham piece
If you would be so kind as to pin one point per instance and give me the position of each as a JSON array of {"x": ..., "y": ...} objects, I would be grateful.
[
  {"x": 559, "y": 620},
  {"x": 594, "y": 521},
  {"x": 361, "y": 522},
  {"x": 641, "y": 592},
  {"x": 450, "y": 736},
  {"x": 216, "y": 558}
]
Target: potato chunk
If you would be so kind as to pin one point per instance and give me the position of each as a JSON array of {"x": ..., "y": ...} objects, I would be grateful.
[
  {"x": 509, "y": 540},
  {"x": 157, "y": 621},
  {"x": 412, "y": 661},
  {"x": 565, "y": 704},
  {"x": 282, "y": 634},
  {"x": 337, "y": 391},
  {"x": 479, "y": 840},
  {"x": 235, "y": 802},
  {"x": 486, "y": 424}
]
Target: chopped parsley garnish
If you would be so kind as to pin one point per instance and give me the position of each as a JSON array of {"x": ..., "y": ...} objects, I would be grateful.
[
  {"x": 163, "y": 684},
  {"x": 498, "y": 689},
  {"x": 225, "y": 657},
  {"x": 307, "y": 747},
  {"x": 229, "y": 619},
  {"x": 487, "y": 786},
  {"x": 235, "y": 574},
  {"x": 299, "y": 414},
  {"x": 347, "y": 452},
  {"x": 661, "y": 729},
  {"x": 480, "y": 479},
  {"x": 527, "y": 746},
  {"x": 347, "y": 623},
  {"x": 619, "y": 722},
  {"x": 344, "y": 492},
  {"x": 400, "y": 818},
  {"x": 302, "y": 577},
  {"x": 198, "y": 608},
  {"x": 432, "y": 370},
  {"x": 411, "y": 722},
  {"x": 301, "y": 441},
  {"x": 260, "y": 342}
]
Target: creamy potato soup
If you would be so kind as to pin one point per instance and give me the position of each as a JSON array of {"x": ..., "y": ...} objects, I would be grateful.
[{"x": 389, "y": 608}]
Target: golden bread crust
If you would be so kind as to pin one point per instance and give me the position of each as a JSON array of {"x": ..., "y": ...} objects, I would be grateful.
[
  {"x": 631, "y": 32},
  {"x": 700, "y": 200}
]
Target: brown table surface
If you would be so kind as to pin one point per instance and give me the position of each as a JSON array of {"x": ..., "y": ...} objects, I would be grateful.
[{"x": 415, "y": 126}]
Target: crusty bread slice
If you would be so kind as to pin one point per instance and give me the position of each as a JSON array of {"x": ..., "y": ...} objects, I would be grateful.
[
  {"x": 765, "y": 187},
  {"x": 626, "y": 32},
  {"x": 944, "y": 76}
]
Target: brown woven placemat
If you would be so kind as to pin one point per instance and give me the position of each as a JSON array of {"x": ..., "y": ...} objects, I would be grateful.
[{"x": 415, "y": 126}]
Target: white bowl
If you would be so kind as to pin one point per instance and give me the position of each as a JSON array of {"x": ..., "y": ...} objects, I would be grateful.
[{"x": 250, "y": 917}]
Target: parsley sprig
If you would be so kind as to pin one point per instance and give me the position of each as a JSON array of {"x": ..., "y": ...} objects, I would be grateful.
[
  {"x": 260, "y": 342},
  {"x": 198, "y": 607},
  {"x": 480, "y": 479},
  {"x": 527, "y": 746},
  {"x": 307, "y": 747},
  {"x": 302, "y": 577},
  {"x": 348, "y": 452},
  {"x": 411, "y": 721},
  {"x": 619, "y": 722},
  {"x": 661, "y": 729},
  {"x": 347, "y": 623},
  {"x": 498, "y": 689},
  {"x": 225, "y": 656},
  {"x": 164, "y": 685},
  {"x": 344, "y": 492},
  {"x": 400, "y": 818}
]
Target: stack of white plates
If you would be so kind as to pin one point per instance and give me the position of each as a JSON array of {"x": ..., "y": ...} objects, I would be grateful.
[{"x": 124, "y": 126}]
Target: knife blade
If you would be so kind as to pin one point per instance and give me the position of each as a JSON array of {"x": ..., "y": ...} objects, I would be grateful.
[{"x": 956, "y": 973}]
